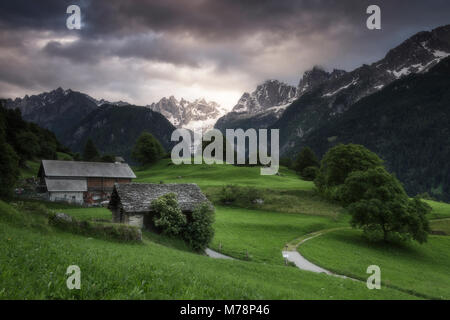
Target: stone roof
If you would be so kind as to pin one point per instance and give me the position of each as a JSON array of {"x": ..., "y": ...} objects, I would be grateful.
[
  {"x": 137, "y": 197},
  {"x": 67, "y": 185},
  {"x": 56, "y": 168}
]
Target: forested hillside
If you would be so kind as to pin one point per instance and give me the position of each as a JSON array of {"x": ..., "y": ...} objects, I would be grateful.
[
  {"x": 116, "y": 129},
  {"x": 21, "y": 141}
]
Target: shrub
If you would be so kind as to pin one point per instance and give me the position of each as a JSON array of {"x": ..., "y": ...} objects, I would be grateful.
[
  {"x": 309, "y": 173},
  {"x": 169, "y": 218},
  {"x": 286, "y": 161},
  {"x": 241, "y": 195},
  {"x": 229, "y": 194},
  {"x": 199, "y": 232},
  {"x": 120, "y": 232},
  {"x": 306, "y": 158}
]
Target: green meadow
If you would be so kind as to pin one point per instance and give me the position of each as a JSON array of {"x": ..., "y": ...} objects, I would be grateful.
[{"x": 35, "y": 256}]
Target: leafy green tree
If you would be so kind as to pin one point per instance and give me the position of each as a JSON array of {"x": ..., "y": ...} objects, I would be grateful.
[
  {"x": 169, "y": 218},
  {"x": 396, "y": 219},
  {"x": 199, "y": 232},
  {"x": 339, "y": 162},
  {"x": 379, "y": 205},
  {"x": 306, "y": 158},
  {"x": 147, "y": 149},
  {"x": 373, "y": 183},
  {"x": 90, "y": 152}
]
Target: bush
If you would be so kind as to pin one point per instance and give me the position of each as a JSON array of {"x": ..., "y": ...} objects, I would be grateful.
[
  {"x": 306, "y": 158},
  {"x": 231, "y": 194},
  {"x": 309, "y": 173},
  {"x": 199, "y": 232},
  {"x": 169, "y": 218},
  {"x": 286, "y": 162},
  {"x": 120, "y": 232}
]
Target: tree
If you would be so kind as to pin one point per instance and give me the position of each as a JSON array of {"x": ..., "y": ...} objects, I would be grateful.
[
  {"x": 379, "y": 205},
  {"x": 169, "y": 218},
  {"x": 306, "y": 158},
  {"x": 9, "y": 169},
  {"x": 339, "y": 162},
  {"x": 147, "y": 149},
  {"x": 28, "y": 145},
  {"x": 90, "y": 152},
  {"x": 108, "y": 158},
  {"x": 373, "y": 183},
  {"x": 199, "y": 232}
]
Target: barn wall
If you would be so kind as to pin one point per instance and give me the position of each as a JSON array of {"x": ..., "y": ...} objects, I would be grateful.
[
  {"x": 71, "y": 197},
  {"x": 104, "y": 183}
]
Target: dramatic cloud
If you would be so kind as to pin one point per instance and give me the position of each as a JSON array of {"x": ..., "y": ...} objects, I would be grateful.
[{"x": 140, "y": 51}]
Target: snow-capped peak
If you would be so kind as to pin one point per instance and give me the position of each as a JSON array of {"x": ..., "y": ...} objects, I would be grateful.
[{"x": 190, "y": 115}]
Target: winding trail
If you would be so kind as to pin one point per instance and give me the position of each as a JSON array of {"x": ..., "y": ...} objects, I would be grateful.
[
  {"x": 291, "y": 254},
  {"x": 216, "y": 255}
]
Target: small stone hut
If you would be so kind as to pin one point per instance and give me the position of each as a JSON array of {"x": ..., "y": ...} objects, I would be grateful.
[{"x": 131, "y": 202}]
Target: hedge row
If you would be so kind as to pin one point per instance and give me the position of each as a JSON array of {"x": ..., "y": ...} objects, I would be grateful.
[{"x": 110, "y": 231}]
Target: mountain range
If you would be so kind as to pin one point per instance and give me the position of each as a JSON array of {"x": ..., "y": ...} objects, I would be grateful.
[
  {"x": 321, "y": 95},
  {"x": 322, "y": 110},
  {"x": 74, "y": 117}
]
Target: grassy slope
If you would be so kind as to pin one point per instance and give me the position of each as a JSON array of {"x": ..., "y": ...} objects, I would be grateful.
[
  {"x": 261, "y": 232},
  {"x": 423, "y": 269},
  {"x": 219, "y": 175},
  {"x": 35, "y": 257},
  {"x": 441, "y": 210}
]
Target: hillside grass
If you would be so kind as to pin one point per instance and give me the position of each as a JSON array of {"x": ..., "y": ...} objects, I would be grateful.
[
  {"x": 262, "y": 234},
  {"x": 34, "y": 263},
  {"x": 441, "y": 210},
  {"x": 441, "y": 225},
  {"x": 219, "y": 175},
  {"x": 165, "y": 268},
  {"x": 31, "y": 170},
  {"x": 420, "y": 269}
]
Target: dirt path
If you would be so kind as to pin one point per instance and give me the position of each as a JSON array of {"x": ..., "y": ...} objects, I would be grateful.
[
  {"x": 291, "y": 254},
  {"x": 216, "y": 255}
]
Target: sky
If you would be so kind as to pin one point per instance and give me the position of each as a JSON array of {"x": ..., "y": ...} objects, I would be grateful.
[{"x": 141, "y": 51}]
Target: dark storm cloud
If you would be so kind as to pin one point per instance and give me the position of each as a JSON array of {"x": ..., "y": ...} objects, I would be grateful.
[{"x": 233, "y": 39}]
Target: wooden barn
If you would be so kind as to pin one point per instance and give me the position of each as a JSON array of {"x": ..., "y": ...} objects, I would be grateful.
[
  {"x": 131, "y": 202},
  {"x": 82, "y": 182}
]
